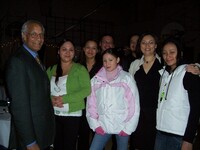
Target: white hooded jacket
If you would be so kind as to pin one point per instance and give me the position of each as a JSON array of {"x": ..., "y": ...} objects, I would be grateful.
[{"x": 113, "y": 105}]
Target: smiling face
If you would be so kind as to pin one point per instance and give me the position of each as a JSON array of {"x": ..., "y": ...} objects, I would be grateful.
[
  {"x": 148, "y": 45},
  {"x": 66, "y": 52},
  {"x": 90, "y": 49},
  {"x": 33, "y": 37},
  {"x": 110, "y": 62},
  {"x": 169, "y": 54},
  {"x": 106, "y": 43}
]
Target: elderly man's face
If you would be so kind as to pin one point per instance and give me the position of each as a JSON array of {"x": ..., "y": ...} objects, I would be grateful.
[{"x": 34, "y": 37}]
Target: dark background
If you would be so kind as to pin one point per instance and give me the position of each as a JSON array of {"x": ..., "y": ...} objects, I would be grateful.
[{"x": 80, "y": 20}]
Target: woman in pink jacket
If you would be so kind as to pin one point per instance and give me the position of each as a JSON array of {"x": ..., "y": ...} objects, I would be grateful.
[{"x": 113, "y": 106}]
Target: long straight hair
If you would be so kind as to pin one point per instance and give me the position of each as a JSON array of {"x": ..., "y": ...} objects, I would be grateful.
[{"x": 59, "y": 70}]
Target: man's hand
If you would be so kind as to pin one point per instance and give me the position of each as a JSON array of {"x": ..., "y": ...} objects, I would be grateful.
[{"x": 33, "y": 147}]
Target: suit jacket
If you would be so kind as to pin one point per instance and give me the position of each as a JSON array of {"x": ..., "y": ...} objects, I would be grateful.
[{"x": 32, "y": 116}]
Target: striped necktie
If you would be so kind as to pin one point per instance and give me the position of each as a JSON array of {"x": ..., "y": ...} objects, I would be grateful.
[{"x": 39, "y": 62}]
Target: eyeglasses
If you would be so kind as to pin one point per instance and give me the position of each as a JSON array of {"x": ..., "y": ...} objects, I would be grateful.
[
  {"x": 149, "y": 43},
  {"x": 35, "y": 35},
  {"x": 107, "y": 42}
]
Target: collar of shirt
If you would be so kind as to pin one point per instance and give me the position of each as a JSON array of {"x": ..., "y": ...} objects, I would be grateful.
[{"x": 33, "y": 53}]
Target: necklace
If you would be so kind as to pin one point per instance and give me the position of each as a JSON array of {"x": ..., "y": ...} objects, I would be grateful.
[{"x": 149, "y": 61}]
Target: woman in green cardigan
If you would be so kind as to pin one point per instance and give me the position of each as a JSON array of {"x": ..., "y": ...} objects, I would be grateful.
[{"x": 70, "y": 84}]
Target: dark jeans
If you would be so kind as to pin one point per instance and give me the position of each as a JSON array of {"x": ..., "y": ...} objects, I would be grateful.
[{"x": 167, "y": 141}]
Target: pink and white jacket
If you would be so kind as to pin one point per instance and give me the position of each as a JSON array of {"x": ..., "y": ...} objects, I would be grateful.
[{"x": 113, "y": 105}]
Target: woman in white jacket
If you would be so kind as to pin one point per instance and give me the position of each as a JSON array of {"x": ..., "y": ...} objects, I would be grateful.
[
  {"x": 178, "y": 103},
  {"x": 113, "y": 106}
]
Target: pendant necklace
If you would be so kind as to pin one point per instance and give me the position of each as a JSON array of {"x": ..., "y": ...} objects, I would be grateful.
[{"x": 148, "y": 61}]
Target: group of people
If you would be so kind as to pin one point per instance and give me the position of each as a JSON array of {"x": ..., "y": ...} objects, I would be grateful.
[{"x": 132, "y": 98}]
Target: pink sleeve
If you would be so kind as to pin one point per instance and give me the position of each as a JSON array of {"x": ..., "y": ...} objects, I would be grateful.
[
  {"x": 91, "y": 105},
  {"x": 131, "y": 103}
]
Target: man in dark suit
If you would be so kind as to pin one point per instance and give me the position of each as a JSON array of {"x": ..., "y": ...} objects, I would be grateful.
[{"x": 32, "y": 116}]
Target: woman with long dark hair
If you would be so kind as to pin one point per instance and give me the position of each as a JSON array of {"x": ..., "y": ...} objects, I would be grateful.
[
  {"x": 70, "y": 84},
  {"x": 91, "y": 60}
]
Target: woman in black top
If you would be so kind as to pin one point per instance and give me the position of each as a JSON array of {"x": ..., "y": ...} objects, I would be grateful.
[
  {"x": 145, "y": 72},
  {"x": 91, "y": 59}
]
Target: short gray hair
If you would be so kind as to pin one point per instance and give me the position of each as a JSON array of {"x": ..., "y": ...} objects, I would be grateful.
[{"x": 29, "y": 22}]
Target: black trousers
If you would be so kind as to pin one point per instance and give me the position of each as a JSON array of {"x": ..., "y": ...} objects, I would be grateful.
[
  {"x": 83, "y": 141},
  {"x": 66, "y": 133}
]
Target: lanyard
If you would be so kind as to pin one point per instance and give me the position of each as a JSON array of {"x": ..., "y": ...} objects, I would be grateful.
[{"x": 163, "y": 95}]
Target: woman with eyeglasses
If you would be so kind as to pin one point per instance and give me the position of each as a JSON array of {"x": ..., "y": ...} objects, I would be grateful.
[{"x": 145, "y": 72}]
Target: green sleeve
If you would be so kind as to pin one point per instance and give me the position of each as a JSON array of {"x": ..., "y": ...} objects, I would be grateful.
[
  {"x": 50, "y": 71},
  {"x": 78, "y": 86}
]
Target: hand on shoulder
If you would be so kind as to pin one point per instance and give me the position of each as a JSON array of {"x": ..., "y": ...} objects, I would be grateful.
[{"x": 193, "y": 68}]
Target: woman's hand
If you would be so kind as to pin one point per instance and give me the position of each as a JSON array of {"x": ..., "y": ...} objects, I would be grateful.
[
  {"x": 99, "y": 130},
  {"x": 122, "y": 133},
  {"x": 193, "y": 68},
  {"x": 186, "y": 146},
  {"x": 57, "y": 101}
]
